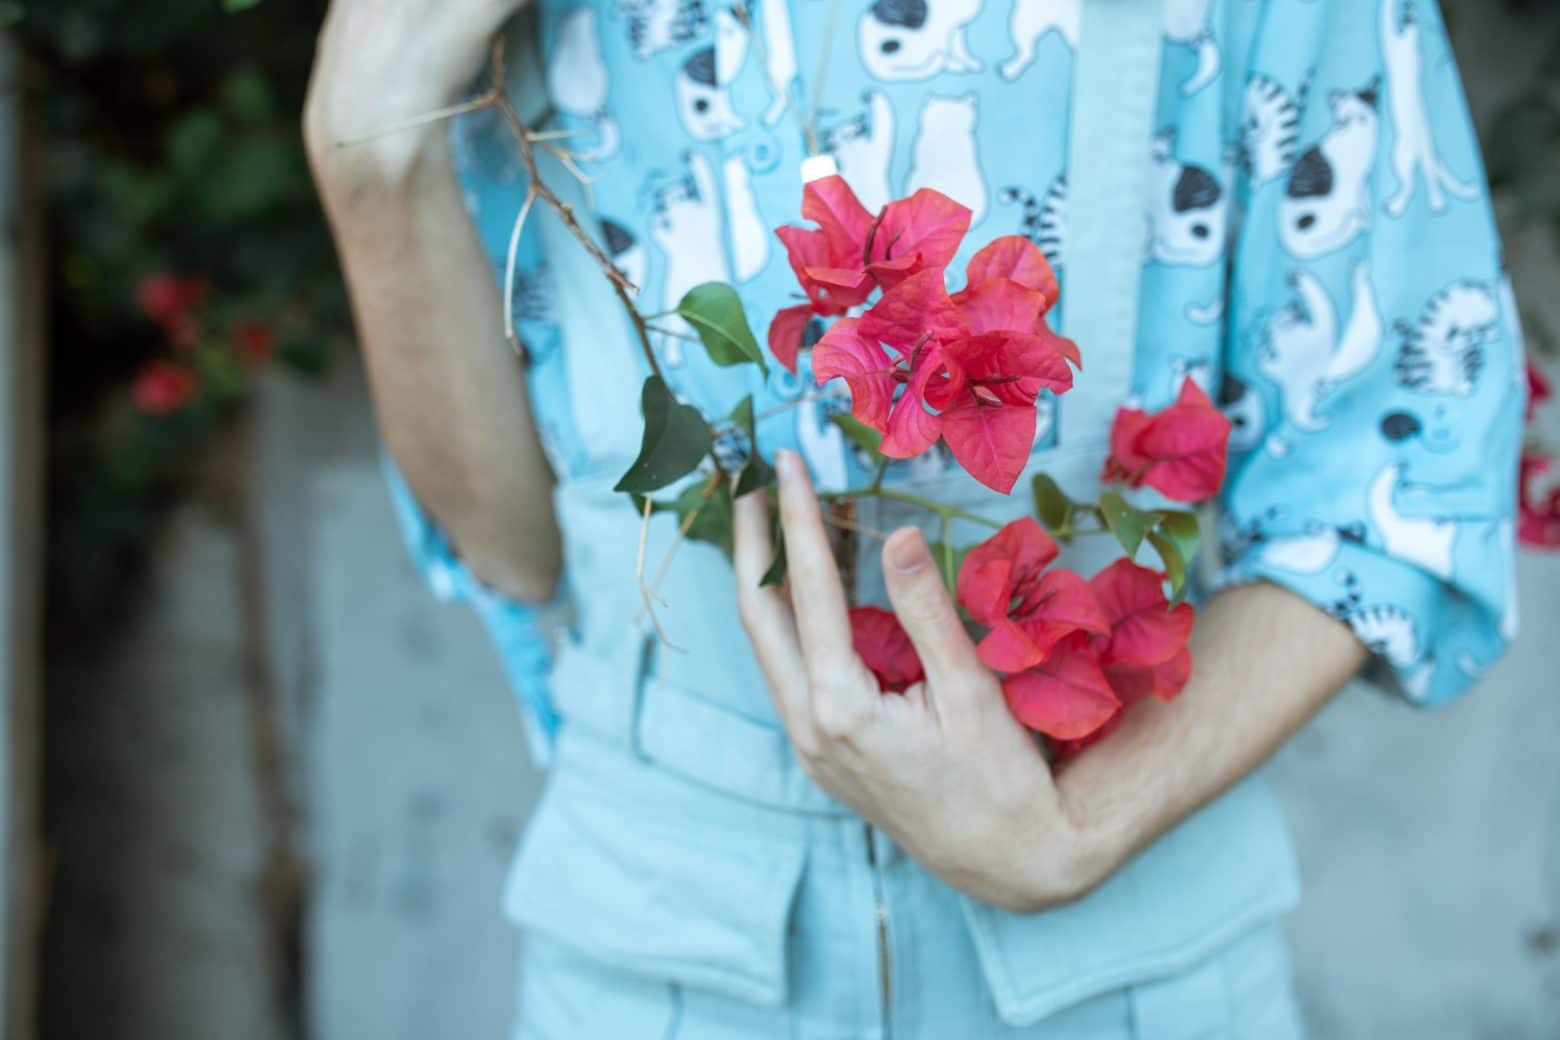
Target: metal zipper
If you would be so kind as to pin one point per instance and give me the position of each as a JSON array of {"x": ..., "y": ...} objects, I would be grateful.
[{"x": 880, "y": 912}]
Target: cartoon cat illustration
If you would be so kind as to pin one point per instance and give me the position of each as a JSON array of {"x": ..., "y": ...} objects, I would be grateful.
[
  {"x": 862, "y": 146},
  {"x": 779, "y": 56},
  {"x": 1188, "y": 22},
  {"x": 1305, "y": 352},
  {"x": 1269, "y": 133},
  {"x": 577, "y": 81},
  {"x": 1413, "y": 149},
  {"x": 703, "y": 105},
  {"x": 1043, "y": 220},
  {"x": 1243, "y": 406},
  {"x": 686, "y": 227},
  {"x": 1327, "y": 201},
  {"x": 1425, "y": 541},
  {"x": 822, "y": 443},
  {"x": 1388, "y": 630},
  {"x": 654, "y": 25},
  {"x": 1031, "y": 22},
  {"x": 916, "y": 39},
  {"x": 748, "y": 230},
  {"x": 1186, "y": 209},
  {"x": 1443, "y": 352},
  {"x": 627, "y": 255},
  {"x": 944, "y": 153}
]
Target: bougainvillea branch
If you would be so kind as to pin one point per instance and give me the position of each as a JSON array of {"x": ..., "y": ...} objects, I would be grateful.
[{"x": 923, "y": 364}]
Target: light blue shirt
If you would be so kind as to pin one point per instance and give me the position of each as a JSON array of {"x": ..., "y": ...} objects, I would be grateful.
[{"x": 1318, "y": 251}]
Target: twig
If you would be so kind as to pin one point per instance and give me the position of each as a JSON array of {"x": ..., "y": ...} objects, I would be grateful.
[
  {"x": 795, "y": 402},
  {"x": 855, "y": 526},
  {"x": 674, "y": 333},
  {"x": 509, "y": 269},
  {"x": 438, "y": 114}
]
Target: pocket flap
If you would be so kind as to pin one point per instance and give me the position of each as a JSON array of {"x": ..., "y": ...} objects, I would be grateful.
[
  {"x": 1223, "y": 871},
  {"x": 639, "y": 891}
]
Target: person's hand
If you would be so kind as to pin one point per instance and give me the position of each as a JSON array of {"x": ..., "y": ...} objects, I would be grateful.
[
  {"x": 943, "y": 768},
  {"x": 380, "y": 63}
]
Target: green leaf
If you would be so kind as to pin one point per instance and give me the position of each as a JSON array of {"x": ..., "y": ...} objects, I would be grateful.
[
  {"x": 676, "y": 440},
  {"x": 715, "y": 311},
  {"x": 776, "y": 572},
  {"x": 712, "y": 521},
  {"x": 231, "y": 6},
  {"x": 712, "y": 517},
  {"x": 1182, "y": 529},
  {"x": 1175, "y": 565},
  {"x": 859, "y": 433},
  {"x": 1052, "y": 506},
  {"x": 756, "y": 472},
  {"x": 1126, "y": 523}
]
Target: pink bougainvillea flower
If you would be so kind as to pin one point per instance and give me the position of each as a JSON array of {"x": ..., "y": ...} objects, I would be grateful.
[
  {"x": 1180, "y": 451},
  {"x": 1004, "y": 584},
  {"x": 1017, "y": 259},
  {"x": 1144, "y": 653},
  {"x": 255, "y": 341},
  {"x": 971, "y": 364},
  {"x": 883, "y": 646},
  {"x": 162, "y": 388},
  {"x": 165, "y": 298},
  {"x": 1539, "y": 389},
  {"x": 851, "y": 252},
  {"x": 1067, "y": 696},
  {"x": 1538, "y": 515},
  {"x": 914, "y": 234},
  {"x": 1143, "y": 629}
]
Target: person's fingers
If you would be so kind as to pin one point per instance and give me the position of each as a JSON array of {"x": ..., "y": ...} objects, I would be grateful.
[
  {"x": 928, "y": 615},
  {"x": 763, "y": 610},
  {"x": 817, "y": 597},
  {"x": 842, "y": 690}
]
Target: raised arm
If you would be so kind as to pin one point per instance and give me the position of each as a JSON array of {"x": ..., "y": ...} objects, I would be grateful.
[{"x": 450, "y": 395}]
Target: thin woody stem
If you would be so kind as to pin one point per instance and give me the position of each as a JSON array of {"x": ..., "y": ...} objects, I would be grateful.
[
  {"x": 950, "y": 512},
  {"x": 437, "y": 115},
  {"x": 854, "y": 526},
  {"x": 795, "y": 402},
  {"x": 509, "y": 268}
]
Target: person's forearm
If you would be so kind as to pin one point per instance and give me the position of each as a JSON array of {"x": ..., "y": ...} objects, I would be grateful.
[
  {"x": 1264, "y": 661},
  {"x": 449, "y": 393}
]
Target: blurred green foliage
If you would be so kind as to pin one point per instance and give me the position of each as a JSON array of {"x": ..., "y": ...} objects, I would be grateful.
[{"x": 171, "y": 147}]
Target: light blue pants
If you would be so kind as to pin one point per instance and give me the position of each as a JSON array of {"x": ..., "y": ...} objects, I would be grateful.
[{"x": 655, "y": 907}]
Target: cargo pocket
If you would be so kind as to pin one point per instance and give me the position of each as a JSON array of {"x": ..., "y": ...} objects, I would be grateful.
[
  {"x": 634, "y": 888},
  {"x": 1215, "y": 878}
]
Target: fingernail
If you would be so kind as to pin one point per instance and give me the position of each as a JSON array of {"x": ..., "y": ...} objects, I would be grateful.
[
  {"x": 909, "y": 554},
  {"x": 786, "y": 463}
]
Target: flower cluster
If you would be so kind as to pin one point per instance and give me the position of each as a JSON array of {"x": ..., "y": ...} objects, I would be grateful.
[
  {"x": 922, "y": 363},
  {"x": 1538, "y": 511},
  {"x": 1180, "y": 452},
  {"x": 178, "y": 305},
  {"x": 1073, "y": 653}
]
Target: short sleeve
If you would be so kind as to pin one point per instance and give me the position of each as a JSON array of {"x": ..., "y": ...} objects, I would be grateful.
[
  {"x": 517, "y": 629},
  {"x": 1374, "y": 360}
]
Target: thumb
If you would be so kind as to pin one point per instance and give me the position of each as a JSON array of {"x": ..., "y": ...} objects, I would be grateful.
[{"x": 924, "y": 608}]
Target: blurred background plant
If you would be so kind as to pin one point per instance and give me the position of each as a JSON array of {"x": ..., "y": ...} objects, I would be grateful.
[{"x": 187, "y": 253}]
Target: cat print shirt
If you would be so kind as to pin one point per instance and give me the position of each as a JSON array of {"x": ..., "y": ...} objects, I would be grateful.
[{"x": 1318, "y": 252}]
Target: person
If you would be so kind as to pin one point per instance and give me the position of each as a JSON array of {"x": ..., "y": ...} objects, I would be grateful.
[{"x": 740, "y": 836}]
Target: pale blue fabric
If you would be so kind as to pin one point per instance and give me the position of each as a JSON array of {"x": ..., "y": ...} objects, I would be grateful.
[{"x": 1316, "y": 249}]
